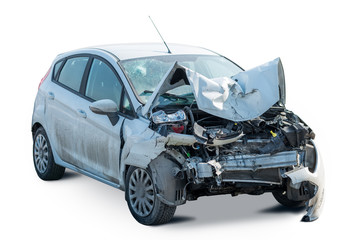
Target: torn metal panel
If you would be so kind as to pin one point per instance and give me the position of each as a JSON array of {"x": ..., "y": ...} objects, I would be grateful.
[
  {"x": 140, "y": 149},
  {"x": 141, "y": 144},
  {"x": 245, "y": 96}
]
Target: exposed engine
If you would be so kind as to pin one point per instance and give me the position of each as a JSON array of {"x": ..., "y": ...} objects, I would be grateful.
[{"x": 276, "y": 130}]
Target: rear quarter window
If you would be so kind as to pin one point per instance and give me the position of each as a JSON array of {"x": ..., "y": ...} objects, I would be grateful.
[{"x": 56, "y": 68}]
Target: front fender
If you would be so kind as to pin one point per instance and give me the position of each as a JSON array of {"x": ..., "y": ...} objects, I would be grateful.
[{"x": 169, "y": 184}]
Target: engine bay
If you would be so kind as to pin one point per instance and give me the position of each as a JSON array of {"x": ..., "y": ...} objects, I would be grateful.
[
  {"x": 236, "y": 157},
  {"x": 278, "y": 129}
]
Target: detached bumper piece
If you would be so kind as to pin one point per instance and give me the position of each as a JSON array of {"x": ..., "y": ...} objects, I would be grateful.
[{"x": 315, "y": 177}]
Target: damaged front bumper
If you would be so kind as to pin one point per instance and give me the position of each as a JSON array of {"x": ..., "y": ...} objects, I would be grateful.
[
  {"x": 270, "y": 170},
  {"x": 243, "y": 168}
]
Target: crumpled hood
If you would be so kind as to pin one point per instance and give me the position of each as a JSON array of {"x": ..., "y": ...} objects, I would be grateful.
[{"x": 242, "y": 97}]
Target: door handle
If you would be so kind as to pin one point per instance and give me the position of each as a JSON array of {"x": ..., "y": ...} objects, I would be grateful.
[
  {"x": 51, "y": 95},
  {"x": 81, "y": 113}
]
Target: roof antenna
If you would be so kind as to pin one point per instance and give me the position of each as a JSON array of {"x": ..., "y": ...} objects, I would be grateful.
[{"x": 160, "y": 35}]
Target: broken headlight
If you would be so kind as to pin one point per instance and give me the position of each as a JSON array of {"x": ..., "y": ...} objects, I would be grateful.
[{"x": 161, "y": 117}]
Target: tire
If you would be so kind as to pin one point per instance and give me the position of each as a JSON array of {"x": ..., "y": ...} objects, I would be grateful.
[
  {"x": 282, "y": 198},
  {"x": 44, "y": 163},
  {"x": 142, "y": 201}
]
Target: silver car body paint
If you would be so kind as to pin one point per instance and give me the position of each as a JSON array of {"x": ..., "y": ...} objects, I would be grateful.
[
  {"x": 242, "y": 97},
  {"x": 71, "y": 127}
]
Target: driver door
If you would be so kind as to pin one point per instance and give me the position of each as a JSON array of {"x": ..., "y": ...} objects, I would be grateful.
[{"x": 99, "y": 138}]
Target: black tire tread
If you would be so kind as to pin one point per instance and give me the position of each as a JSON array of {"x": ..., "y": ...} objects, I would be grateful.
[{"x": 167, "y": 214}]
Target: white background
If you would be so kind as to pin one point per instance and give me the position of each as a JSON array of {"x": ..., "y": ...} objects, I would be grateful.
[{"x": 318, "y": 43}]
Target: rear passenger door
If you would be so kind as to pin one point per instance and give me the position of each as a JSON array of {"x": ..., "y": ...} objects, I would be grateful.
[
  {"x": 62, "y": 106},
  {"x": 84, "y": 139}
]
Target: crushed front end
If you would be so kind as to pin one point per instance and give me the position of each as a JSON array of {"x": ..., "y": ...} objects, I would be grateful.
[
  {"x": 272, "y": 153},
  {"x": 229, "y": 136}
]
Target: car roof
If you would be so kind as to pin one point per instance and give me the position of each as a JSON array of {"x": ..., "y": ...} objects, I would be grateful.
[{"x": 137, "y": 50}]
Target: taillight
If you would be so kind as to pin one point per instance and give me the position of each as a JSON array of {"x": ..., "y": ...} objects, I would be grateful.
[{"x": 46, "y": 75}]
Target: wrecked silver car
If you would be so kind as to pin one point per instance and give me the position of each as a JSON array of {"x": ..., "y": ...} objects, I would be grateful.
[{"x": 169, "y": 127}]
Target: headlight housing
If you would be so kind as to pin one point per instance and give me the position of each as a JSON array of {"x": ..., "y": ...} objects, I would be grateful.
[{"x": 160, "y": 117}]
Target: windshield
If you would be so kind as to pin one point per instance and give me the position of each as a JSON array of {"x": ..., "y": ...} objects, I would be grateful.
[{"x": 146, "y": 73}]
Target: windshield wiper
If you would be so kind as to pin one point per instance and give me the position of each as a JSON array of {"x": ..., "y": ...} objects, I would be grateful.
[{"x": 145, "y": 92}]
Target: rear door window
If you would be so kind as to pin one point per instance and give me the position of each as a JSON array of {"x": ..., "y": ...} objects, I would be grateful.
[{"x": 72, "y": 72}]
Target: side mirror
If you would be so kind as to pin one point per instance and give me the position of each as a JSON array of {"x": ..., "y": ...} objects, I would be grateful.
[{"x": 106, "y": 107}]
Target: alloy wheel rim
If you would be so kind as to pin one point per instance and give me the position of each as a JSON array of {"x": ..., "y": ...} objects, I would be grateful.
[
  {"x": 41, "y": 153},
  {"x": 141, "y": 192}
]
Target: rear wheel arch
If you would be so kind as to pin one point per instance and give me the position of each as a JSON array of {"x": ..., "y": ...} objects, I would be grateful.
[
  {"x": 35, "y": 127},
  {"x": 43, "y": 159}
]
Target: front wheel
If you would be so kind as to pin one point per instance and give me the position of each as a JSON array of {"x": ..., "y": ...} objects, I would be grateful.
[
  {"x": 281, "y": 197},
  {"x": 142, "y": 200}
]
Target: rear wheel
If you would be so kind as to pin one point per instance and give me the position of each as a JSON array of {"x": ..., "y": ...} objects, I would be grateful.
[
  {"x": 44, "y": 163},
  {"x": 142, "y": 201},
  {"x": 281, "y": 197}
]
